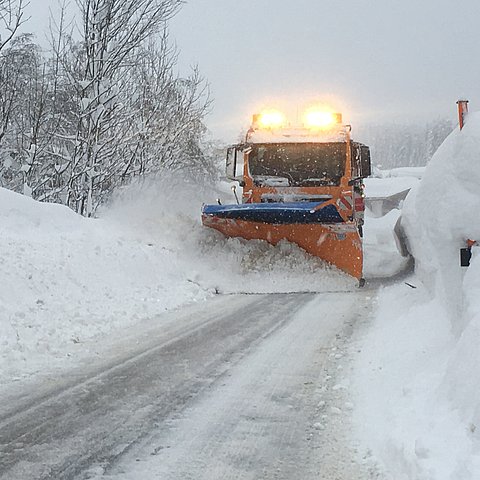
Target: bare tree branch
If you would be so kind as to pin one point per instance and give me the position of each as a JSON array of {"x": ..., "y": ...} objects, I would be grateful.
[{"x": 11, "y": 18}]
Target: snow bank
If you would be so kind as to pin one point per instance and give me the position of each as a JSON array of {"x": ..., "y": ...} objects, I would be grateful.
[
  {"x": 66, "y": 279},
  {"x": 443, "y": 212},
  {"x": 399, "y": 414},
  {"x": 399, "y": 172},
  {"x": 384, "y": 187},
  {"x": 381, "y": 257},
  {"x": 415, "y": 172},
  {"x": 416, "y": 378}
]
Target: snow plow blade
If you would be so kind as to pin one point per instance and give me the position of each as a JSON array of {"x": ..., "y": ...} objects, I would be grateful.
[{"x": 322, "y": 232}]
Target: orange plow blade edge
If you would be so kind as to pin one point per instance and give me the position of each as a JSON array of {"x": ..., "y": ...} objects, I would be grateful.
[{"x": 338, "y": 244}]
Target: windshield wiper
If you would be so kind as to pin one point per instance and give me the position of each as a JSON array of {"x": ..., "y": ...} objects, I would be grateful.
[{"x": 272, "y": 181}]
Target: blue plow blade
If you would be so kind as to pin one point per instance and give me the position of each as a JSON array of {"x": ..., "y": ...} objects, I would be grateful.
[{"x": 276, "y": 213}]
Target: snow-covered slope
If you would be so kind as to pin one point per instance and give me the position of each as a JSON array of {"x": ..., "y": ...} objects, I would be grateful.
[
  {"x": 66, "y": 278},
  {"x": 416, "y": 378}
]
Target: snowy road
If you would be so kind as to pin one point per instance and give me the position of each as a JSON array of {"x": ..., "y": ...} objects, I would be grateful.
[{"x": 240, "y": 387}]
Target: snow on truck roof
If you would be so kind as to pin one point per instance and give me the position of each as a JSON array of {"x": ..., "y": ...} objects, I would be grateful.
[{"x": 298, "y": 135}]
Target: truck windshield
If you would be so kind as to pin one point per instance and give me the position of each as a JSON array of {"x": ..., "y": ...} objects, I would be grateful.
[{"x": 303, "y": 164}]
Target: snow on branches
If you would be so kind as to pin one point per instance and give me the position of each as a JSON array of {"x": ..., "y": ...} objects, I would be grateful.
[{"x": 99, "y": 109}]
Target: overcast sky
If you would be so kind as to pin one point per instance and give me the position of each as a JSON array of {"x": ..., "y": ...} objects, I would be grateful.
[{"x": 371, "y": 59}]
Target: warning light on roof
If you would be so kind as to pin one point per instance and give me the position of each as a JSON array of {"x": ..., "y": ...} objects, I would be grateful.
[
  {"x": 318, "y": 119},
  {"x": 269, "y": 119}
]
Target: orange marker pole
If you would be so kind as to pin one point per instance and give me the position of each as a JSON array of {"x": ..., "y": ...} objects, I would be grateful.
[{"x": 462, "y": 112}]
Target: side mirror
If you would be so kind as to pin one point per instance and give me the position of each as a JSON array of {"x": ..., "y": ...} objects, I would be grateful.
[
  {"x": 355, "y": 160},
  {"x": 361, "y": 164},
  {"x": 365, "y": 161},
  {"x": 231, "y": 163}
]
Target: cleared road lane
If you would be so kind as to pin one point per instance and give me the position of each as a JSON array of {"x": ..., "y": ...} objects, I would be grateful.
[{"x": 234, "y": 388}]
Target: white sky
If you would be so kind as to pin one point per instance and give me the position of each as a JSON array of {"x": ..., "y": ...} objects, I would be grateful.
[{"x": 385, "y": 59}]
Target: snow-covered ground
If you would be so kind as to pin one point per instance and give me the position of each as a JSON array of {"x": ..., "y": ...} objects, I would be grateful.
[
  {"x": 69, "y": 281},
  {"x": 416, "y": 378},
  {"x": 383, "y": 187}
]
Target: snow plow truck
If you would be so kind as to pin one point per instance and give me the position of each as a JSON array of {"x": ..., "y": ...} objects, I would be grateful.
[{"x": 301, "y": 184}]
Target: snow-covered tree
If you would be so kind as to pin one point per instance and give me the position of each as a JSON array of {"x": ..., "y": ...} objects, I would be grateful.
[
  {"x": 113, "y": 30},
  {"x": 100, "y": 107},
  {"x": 168, "y": 113},
  {"x": 404, "y": 145},
  {"x": 23, "y": 90}
]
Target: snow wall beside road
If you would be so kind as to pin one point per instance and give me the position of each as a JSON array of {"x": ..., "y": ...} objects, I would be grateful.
[
  {"x": 416, "y": 379},
  {"x": 444, "y": 211},
  {"x": 442, "y": 214}
]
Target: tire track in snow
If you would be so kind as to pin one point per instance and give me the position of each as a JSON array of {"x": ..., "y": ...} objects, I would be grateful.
[
  {"x": 98, "y": 419},
  {"x": 261, "y": 420}
]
